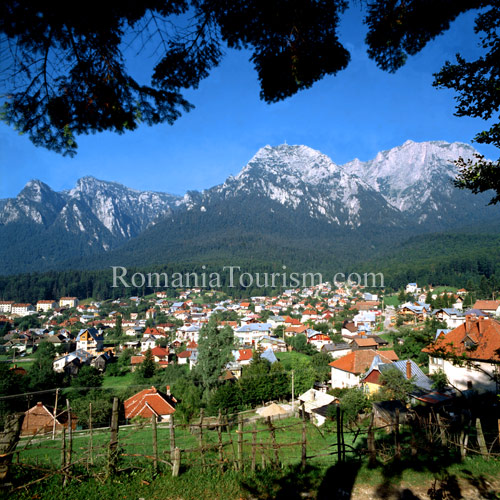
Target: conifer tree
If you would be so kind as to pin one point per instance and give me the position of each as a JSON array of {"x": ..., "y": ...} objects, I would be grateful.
[
  {"x": 148, "y": 367},
  {"x": 214, "y": 353}
]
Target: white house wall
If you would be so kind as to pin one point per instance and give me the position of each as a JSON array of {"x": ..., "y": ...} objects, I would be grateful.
[{"x": 459, "y": 376}]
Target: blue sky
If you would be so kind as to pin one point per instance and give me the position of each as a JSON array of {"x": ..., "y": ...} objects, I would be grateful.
[{"x": 357, "y": 113}]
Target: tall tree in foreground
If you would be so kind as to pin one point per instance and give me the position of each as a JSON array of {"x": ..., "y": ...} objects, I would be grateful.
[{"x": 214, "y": 353}]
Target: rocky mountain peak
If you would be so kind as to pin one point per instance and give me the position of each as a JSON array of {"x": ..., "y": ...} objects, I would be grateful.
[
  {"x": 296, "y": 161},
  {"x": 35, "y": 191},
  {"x": 408, "y": 175}
]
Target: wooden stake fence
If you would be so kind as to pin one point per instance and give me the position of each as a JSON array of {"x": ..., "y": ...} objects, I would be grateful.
[{"x": 215, "y": 447}]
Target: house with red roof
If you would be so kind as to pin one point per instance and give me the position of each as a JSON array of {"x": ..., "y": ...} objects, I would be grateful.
[
  {"x": 244, "y": 356},
  {"x": 135, "y": 361},
  {"x": 160, "y": 355},
  {"x": 469, "y": 355},
  {"x": 183, "y": 357},
  {"x": 488, "y": 306},
  {"x": 292, "y": 321},
  {"x": 291, "y": 331},
  {"x": 149, "y": 402},
  {"x": 347, "y": 370}
]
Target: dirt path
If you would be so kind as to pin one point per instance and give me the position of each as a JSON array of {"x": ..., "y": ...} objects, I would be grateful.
[{"x": 451, "y": 488}]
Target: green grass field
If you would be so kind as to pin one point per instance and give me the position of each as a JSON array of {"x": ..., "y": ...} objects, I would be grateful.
[
  {"x": 118, "y": 382},
  {"x": 287, "y": 358},
  {"x": 391, "y": 301},
  {"x": 288, "y": 480},
  {"x": 441, "y": 289},
  {"x": 137, "y": 439}
]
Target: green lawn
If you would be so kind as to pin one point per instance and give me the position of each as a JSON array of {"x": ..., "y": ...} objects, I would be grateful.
[
  {"x": 391, "y": 301},
  {"x": 287, "y": 358},
  {"x": 87, "y": 301},
  {"x": 386, "y": 336},
  {"x": 118, "y": 382},
  {"x": 441, "y": 289},
  {"x": 137, "y": 439},
  {"x": 319, "y": 480}
]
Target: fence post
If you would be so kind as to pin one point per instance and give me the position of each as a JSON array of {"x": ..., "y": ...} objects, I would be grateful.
[
  {"x": 8, "y": 443},
  {"x": 200, "y": 440},
  {"x": 69, "y": 448},
  {"x": 339, "y": 439},
  {"x": 431, "y": 433},
  {"x": 304, "y": 439},
  {"x": 219, "y": 438},
  {"x": 396, "y": 435},
  {"x": 273, "y": 439},
  {"x": 370, "y": 440},
  {"x": 240, "y": 442},
  {"x": 176, "y": 462},
  {"x": 254, "y": 445},
  {"x": 113, "y": 442},
  {"x": 464, "y": 438},
  {"x": 442, "y": 432},
  {"x": 91, "y": 438},
  {"x": 480, "y": 438},
  {"x": 231, "y": 444},
  {"x": 155, "y": 442},
  {"x": 63, "y": 452},
  {"x": 172, "y": 438},
  {"x": 342, "y": 434},
  {"x": 413, "y": 439},
  {"x": 55, "y": 416}
]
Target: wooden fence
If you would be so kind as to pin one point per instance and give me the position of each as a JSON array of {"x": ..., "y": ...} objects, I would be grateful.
[{"x": 239, "y": 442}]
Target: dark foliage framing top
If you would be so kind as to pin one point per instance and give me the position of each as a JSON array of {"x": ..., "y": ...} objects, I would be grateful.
[{"x": 65, "y": 69}]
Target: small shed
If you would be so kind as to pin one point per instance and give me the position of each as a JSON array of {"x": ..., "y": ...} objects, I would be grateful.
[
  {"x": 384, "y": 413},
  {"x": 40, "y": 420}
]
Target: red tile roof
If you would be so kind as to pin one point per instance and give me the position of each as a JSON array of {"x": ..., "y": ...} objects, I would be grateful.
[
  {"x": 366, "y": 342},
  {"x": 320, "y": 337},
  {"x": 310, "y": 312},
  {"x": 389, "y": 354},
  {"x": 486, "y": 305},
  {"x": 160, "y": 352},
  {"x": 149, "y": 402},
  {"x": 296, "y": 329},
  {"x": 151, "y": 331},
  {"x": 366, "y": 305},
  {"x": 245, "y": 354},
  {"x": 136, "y": 360},
  {"x": 358, "y": 362},
  {"x": 484, "y": 333}
]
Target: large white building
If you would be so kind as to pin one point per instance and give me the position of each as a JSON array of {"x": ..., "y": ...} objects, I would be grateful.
[
  {"x": 22, "y": 309},
  {"x": 45, "y": 305},
  {"x": 68, "y": 302},
  {"x": 6, "y": 306}
]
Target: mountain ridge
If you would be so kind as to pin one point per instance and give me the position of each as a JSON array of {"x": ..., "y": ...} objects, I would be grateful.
[{"x": 288, "y": 199}]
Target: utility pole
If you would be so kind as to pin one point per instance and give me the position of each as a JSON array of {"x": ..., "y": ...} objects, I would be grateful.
[
  {"x": 293, "y": 391},
  {"x": 55, "y": 414}
]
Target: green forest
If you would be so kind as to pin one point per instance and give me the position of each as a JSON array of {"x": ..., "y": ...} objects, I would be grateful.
[{"x": 471, "y": 261}]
